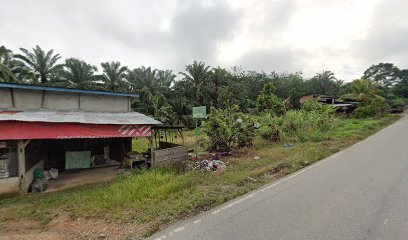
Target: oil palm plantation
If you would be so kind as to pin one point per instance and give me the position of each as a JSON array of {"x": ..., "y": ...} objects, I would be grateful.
[
  {"x": 160, "y": 109},
  {"x": 43, "y": 65},
  {"x": 144, "y": 81},
  {"x": 181, "y": 111},
  {"x": 113, "y": 76},
  {"x": 218, "y": 77},
  {"x": 13, "y": 70},
  {"x": 324, "y": 83},
  {"x": 165, "y": 78},
  {"x": 6, "y": 75},
  {"x": 77, "y": 74},
  {"x": 197, "y": 74}
]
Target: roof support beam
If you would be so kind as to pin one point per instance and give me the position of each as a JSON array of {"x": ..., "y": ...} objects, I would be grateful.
[
  {"x": 21, "y": 144},
  {"x": 13, "y": 103}
]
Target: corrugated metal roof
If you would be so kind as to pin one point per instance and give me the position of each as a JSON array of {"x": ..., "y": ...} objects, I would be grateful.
[
  {"x": 72, "y": 90},
  {"x": 342, "y": 104},
  {"x": 76, "y": 117}
]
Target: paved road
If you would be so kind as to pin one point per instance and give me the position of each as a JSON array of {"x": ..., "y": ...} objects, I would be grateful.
[{"x": 359, "y": 193}]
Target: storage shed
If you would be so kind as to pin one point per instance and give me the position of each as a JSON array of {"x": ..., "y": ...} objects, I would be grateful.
[{"x": 46, "y": 127}]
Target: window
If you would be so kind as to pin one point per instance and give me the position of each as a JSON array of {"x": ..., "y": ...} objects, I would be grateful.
[{"x": 8, "y": 159}]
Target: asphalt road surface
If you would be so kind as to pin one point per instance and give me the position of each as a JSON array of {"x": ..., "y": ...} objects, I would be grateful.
[{"x": 359, "y": 193}]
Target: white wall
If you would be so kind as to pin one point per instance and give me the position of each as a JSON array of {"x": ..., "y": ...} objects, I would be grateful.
[
  {"x": 5, "y": 98},
  {"x": 101, "y": 103},
  {"x": 61, "y": 101},
  {"x": 37, "y": 99},
  {"x": 27, "y": 99}
]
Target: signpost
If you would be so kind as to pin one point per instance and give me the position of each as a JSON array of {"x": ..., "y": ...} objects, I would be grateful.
[{"x": 198, "y": 113}]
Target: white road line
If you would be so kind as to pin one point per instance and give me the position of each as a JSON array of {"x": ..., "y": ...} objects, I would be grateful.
[
  {"x": 161, "y": 237},
  {"x": 179, "y": 229},
  {"x": 216, "y": 211},
  {"x": 197, "y": 221}
]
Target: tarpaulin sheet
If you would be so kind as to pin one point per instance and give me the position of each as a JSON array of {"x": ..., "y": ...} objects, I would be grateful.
[
  {"x": 77, "y": 160},
  {"x": 13, "y": 130}
]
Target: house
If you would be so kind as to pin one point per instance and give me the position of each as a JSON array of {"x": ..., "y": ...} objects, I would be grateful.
[
  {"x": 64, "y": 129},
  {"x": 318, "y": 97},
  {"x": 340, "y": 106}
]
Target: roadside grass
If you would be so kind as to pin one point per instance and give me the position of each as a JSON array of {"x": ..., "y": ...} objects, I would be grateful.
[{"x": 161, "y": 196}]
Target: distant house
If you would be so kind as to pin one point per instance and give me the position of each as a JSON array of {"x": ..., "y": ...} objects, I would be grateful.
[
  {"x": 46, "y": 127},
  {"x": 318, "y": 97},
  {"x": 341, "y": 106}
]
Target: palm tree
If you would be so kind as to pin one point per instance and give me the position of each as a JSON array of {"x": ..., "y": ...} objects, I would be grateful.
[
  {"x": 218, "y": 76},
  {"x": 6, "y": 75},
  {"x": 180, "y": 111},
  {"x": 143, "y": 80},
  {"x": 42, "y": 64},
  {"x": 10, "y": 65},
  {"x": 160, "y": 109},
  {"x": 113, "y": 76},
  {"x": 165, "y": 78},
  {"x": 77, "y": 74},
  {"x": 362, "y": 90},
  {"x": 197, "y": 73}
]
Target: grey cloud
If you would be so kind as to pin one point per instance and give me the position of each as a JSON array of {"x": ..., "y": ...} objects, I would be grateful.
[
  {"x": 193, "y": 34},
  {"x": 270, "y": 59},
  {"x": 131, "y": 31},
  {"x": 388, "y": 36},
  {"x": 277, "y": 15},
  {"x": 196, "y": 31}
]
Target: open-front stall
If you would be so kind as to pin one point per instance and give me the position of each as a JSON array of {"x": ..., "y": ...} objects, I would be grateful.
[
  {"x": 79, "y": 136},
  {"x": 169, "y": 145}
]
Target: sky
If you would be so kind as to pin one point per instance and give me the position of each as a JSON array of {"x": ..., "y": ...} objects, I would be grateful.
[{"x": 343, "y": 36}]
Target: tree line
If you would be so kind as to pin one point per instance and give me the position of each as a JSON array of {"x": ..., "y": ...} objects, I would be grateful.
[{"x": 170, "y": 100}]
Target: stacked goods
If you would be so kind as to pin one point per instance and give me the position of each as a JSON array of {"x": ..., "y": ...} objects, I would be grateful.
[
  {"x": 4, "y": 166},
  {"x": 134, "y": 157}
]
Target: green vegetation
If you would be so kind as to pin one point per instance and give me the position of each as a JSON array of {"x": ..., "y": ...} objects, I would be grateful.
[
  {"x": 383, "y": 86},
  {"x": 159, "y": 196},
  {"x": 229, "y": 128}
]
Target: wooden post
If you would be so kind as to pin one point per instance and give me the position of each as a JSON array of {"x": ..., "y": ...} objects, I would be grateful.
[
  {"x": 152, "y": 147},
  {"x": 182, "y": 137},
  {"x": 21, "y": 144},
  {"x": 129, "y": 105}
]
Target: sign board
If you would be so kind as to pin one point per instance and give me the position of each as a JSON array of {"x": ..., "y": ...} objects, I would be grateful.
[{"x": 200, "y": 112}]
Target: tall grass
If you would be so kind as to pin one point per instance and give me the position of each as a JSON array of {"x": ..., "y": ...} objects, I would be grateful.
[{"x": 308, "y": 125}]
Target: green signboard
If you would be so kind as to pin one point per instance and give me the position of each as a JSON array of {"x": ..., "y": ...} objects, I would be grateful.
[{"x": 199, "y": 112}]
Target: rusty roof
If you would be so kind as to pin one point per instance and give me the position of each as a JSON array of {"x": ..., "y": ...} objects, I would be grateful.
[{"x": 76, "y": 117}]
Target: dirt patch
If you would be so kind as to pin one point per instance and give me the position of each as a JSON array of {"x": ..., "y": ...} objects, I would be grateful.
[{"x": 63, "y": 227}]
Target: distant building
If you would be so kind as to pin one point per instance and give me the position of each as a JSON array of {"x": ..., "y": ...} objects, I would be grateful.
[{"x": 341, "y": 106}]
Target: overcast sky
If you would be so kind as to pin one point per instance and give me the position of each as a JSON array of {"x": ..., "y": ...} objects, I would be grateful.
[{"x": 344, "y": 36}]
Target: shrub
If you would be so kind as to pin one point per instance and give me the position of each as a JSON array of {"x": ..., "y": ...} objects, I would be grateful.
[
  {"x": 315, "y": 106},
  {"x": 375, "y": 107},
  {"x": 269, "y": 102},
  {"x": 302, "y": 125},
  {"x": 228, "y": 128},
  {"x": 305, "y": 125},
  {"x": 271, "y": 127}
]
